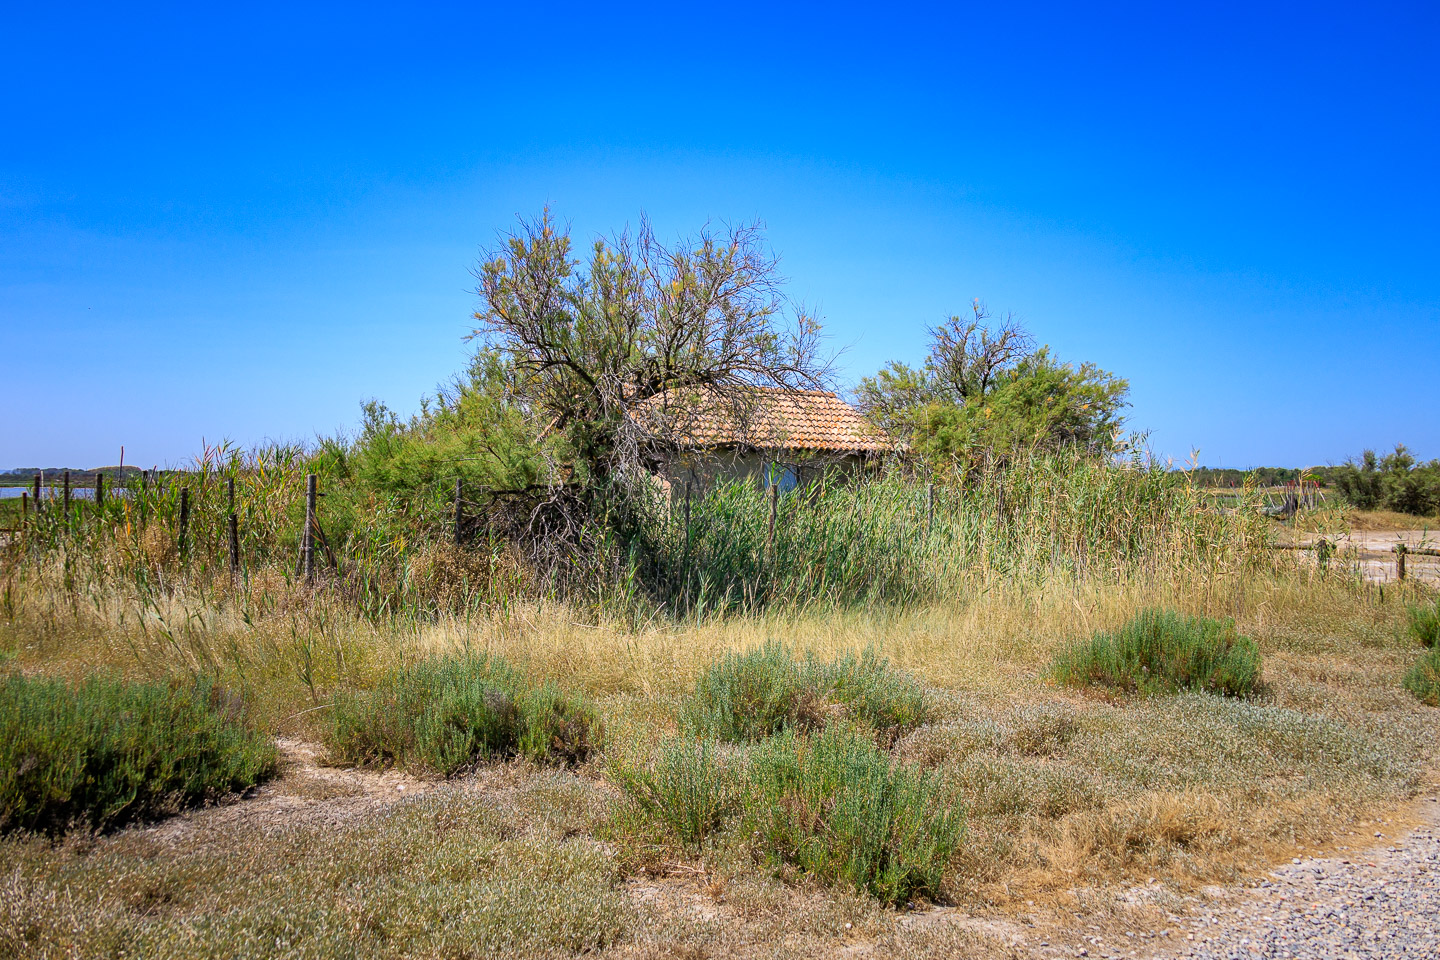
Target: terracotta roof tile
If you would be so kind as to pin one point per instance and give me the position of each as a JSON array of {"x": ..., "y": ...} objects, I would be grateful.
[{"x": 777, "y": 420}]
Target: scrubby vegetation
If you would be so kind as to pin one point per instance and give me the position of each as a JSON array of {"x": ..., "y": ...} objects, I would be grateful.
[
  {"x": 1162, "y": 650},
  {"x": 805, "y": 791},
  {"x": 448, "y": 875},
  {"x": 1423, "y": 679},
  {"x": 752, "y": 695},
  {"x": 1424, "y": 622},
  {"x": 1395, "y": 481},
  {"x": 985, "y": 391},
  {"x": 443, "y": 715},
  {"x": 103, "y": 752},
  {"x": 837, "y": 808}
]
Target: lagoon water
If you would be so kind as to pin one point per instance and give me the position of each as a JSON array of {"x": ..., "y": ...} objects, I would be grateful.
[{"x": 56, "y": 492}]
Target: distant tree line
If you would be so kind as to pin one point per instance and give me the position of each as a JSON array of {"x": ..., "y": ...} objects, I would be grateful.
[
  {"x": 1395, "y": 481},
  {"x": 22, "y": 476},
  {"x": 1261, "y": 476}
]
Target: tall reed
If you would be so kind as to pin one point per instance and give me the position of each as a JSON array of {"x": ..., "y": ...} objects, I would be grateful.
[
  {"x": 891, "y": 539},
  {"x": 841, "y": 541}
]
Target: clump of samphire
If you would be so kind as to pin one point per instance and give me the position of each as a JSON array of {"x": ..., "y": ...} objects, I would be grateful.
[
  {"x": 1161, "y": 651},
  {"x": 753, "y": 695},
  {"x": 106, "y": 752},
  {"x": 1423, "y": 679},
  {"x": 440, "y": 716}
]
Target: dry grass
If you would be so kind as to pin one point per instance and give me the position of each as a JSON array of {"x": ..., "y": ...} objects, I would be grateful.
[
  {"x": 1072, "y": 797},
  {"x": 1341, "y": 518}
]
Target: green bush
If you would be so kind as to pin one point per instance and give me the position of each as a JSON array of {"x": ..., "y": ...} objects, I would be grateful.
[
  {"x": 556, "y": 726},
  {"x": 105, "y": 752},
  {"x": 1395, "y": 481},
  {"x": 1423, "y": 679},
  {"x": 753, "y": 695},
  {"x": 440, "y": 716},
  {"x": 689, "y": 787},
  {"x": 1161, "y": 651},
  {"x": 1425, "y": 623},
  {"x": 834, "y": 806},
  {"x": 831, "y": 805}
]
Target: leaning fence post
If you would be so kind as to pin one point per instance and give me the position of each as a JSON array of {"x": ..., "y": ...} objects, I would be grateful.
[
  {"x": 1400, "y": 551},
  {"x": 234, "y": 533},
  {"x": 307, "y": 540},
  {"x": 459, "y": 512},
  {"x": 184, "y": 521}
]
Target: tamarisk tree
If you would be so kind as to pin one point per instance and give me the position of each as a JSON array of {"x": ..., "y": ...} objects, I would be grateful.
[
  {"x": 985, "y": 390},
  {"x": 624, "y": 354}
]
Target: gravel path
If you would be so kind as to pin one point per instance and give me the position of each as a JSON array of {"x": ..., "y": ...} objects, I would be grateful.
[{"x": 1379, "y": 904}]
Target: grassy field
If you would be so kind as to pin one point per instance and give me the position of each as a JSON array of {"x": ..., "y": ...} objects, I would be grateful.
[{"x": 1073, "y": 808}]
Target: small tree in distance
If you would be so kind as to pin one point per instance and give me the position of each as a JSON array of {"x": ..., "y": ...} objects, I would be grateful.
[{"x": 641, "y": 328}]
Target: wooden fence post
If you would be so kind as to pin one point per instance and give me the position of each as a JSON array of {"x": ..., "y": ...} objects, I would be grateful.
[
  {"x": 234, "y": 533},
  {"x": 24, "y": 507},
  {"x": 184, "y": 521},
  {"x": 99, "y": 491},
  {"x": 774, "y": 507},
  {"x": 37, "y": 494},
  {"x": 459, "y": 512},
  {"x": 1400, "y": 561},
  {"x": 307, "y": 541},
  {"x": 687, "y": 527}
]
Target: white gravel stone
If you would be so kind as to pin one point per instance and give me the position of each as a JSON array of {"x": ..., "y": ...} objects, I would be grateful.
[{"x": 1380, "y": 905}]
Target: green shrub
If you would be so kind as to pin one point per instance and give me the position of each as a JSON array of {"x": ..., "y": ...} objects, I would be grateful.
[
  {"x": 834, "y": 806},
  {"x": 689, "y": 787},
  {"x": 440, "y": 716},
  {"x": 1161, "y": 650},
  {"x": 753, "y": 695},
  {"x": 1423, "y": 679},
  {"x": 1425, "y": 622},
  {"x": 105, "y": 752},
  {"x": 747, "y": 696},
  {"x": 871, "y": 692},
  {"x": 555, "y": 725}
]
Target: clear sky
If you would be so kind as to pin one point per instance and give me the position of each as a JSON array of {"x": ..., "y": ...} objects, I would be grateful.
[{"x": 241, "y": 221}]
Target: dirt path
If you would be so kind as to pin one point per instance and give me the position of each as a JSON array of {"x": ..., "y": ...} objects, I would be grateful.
[
  {"x": 305, "y": 790},
  {"x": 1375, "y": 552},
  {"x": 1383, "y": 902},
  {"x": 1379, "y": 902}
]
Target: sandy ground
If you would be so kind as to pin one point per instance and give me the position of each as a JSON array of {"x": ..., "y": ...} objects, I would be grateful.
[{"x": 1375, "y": 551}]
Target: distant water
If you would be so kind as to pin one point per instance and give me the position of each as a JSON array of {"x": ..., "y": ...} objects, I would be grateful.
[{"x": 57, "y": 492}]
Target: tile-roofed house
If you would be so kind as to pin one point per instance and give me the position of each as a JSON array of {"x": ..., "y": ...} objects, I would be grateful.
[{"x": 769, "y": 433}]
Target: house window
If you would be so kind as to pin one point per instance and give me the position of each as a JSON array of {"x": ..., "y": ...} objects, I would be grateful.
[{"x": 786, "y": 476}]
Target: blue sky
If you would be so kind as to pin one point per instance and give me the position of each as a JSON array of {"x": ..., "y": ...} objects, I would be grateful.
[{"x": 240, "y": 223}]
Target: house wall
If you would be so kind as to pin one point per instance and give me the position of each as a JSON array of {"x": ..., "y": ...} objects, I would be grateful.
[{"x": 704, "y": 468}]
